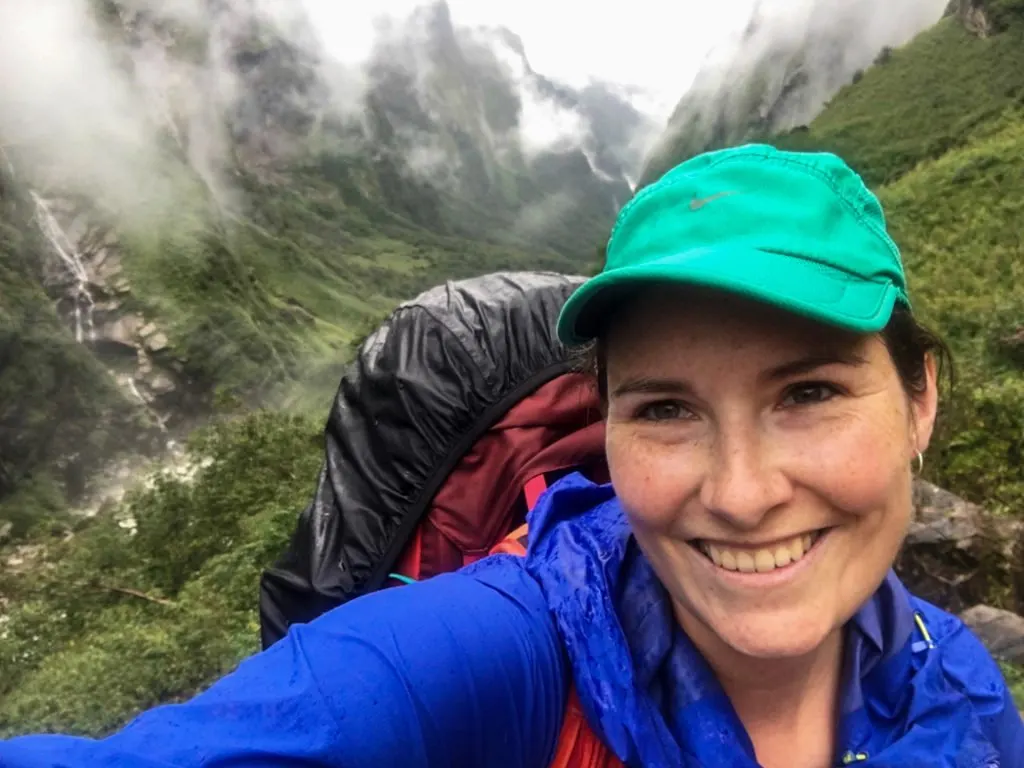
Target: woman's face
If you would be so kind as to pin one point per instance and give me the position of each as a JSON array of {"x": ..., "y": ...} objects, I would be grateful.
[{"x": 764, "y": 463}]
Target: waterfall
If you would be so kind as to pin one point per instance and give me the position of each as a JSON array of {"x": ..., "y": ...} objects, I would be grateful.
[
  {"x": 129, "y": 383},
  {"x": 72, "y": 259}
]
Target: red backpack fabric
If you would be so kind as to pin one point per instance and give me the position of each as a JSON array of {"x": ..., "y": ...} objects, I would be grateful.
[
  {"x": 451, "y": 421},
  {"x": 556, "y": 429},
  {"x": 449, "y": 409}
]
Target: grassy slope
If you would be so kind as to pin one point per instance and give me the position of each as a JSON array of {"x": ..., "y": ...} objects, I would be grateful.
[
  {"x": 929, "y": 98},
  {"x": 957, "y": 221},
  {"x": 254, "y": 303}
]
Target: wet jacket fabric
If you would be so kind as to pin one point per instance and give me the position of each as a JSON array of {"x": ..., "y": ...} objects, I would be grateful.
[
  {"x": 474, "y": 668},
  {"x": 911, "y": 696}
]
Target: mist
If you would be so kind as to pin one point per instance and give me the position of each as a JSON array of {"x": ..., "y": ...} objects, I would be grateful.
[
  {"x": 67, "y": 112},
  {"x": 796, "y": 54},
  {"x": 115, "y": 111}
]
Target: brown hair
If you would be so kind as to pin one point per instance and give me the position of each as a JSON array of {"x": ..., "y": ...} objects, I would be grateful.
[{"x": 909, "y": 343}]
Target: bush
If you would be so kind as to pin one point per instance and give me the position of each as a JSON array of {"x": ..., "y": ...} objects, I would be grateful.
[{"x": 135, "y": 619}]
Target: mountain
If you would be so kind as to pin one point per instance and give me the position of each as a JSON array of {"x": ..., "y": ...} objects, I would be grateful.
[
  {"x": 288, "y": 231},
  {"x": 784, "y": 66},
  {"x": 228, "y": 208}
]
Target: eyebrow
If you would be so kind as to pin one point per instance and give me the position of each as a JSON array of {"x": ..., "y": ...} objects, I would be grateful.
[
  {"x": 813, "y": 362},
  {"x": 649, "y": 385}
]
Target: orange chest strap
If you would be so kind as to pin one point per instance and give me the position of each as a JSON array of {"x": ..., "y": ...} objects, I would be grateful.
[{"x": 578, "y": 746}]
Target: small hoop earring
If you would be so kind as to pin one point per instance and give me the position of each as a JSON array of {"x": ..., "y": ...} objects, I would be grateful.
[{"x": 920, "y": 463}]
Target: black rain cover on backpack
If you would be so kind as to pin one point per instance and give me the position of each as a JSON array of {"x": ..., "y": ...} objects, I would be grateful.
[{"x": 433, "y": 378}]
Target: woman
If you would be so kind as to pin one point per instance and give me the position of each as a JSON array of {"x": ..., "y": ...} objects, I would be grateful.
[{"x": 728, "y": 599}]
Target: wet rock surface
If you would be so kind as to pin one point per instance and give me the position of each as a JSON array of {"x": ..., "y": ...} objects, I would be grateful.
[
  {"x": 958, "y": 555},
  {"x": 1001, "y": 631},
  {"x": 83, "y": 275}
]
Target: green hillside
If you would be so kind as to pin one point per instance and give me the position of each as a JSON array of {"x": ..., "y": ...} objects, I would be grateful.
[
  {"x": 925, "y": 99},
  {"x": 957, "y": 221},
  {"x": 252, "y": 302}
]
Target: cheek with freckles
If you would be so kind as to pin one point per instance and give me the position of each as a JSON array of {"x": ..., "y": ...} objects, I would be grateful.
[
  {"x": 854, "y": 467},
  {"x": 653, "y": 482}
]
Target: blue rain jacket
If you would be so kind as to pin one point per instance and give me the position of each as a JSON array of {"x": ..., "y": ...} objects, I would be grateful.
[{"x": 473, "y": 669}]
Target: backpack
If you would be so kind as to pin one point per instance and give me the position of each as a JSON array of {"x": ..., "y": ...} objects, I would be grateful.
[{"x": 453, "y": 417}]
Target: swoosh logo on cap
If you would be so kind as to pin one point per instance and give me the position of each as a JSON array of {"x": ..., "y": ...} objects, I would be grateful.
[{"x": 699, "y": 202}]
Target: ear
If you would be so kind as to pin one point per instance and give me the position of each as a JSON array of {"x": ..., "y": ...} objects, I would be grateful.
[{"x": 924, "y": 407}]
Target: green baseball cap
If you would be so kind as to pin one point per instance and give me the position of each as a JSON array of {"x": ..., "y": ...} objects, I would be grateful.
[{"x": 798, "y": 230}]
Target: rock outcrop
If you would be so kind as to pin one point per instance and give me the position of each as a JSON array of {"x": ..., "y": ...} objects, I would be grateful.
[
  {"x": 82, "y": 273},
  {"x": 973, "y": 15},
  {"x": 956, "y": 554},
  {"x": 984, "y": 18},
  {"x": 1001, "y": 631}
]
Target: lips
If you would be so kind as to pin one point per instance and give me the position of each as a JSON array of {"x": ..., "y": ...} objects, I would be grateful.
[{"x": 761, "y": 559}]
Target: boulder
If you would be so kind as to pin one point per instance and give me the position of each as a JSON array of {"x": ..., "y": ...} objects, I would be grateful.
[
  {"x": 1002, "y": 632},
  {"x": 121, "y": 331},
  {"x": 956, "y": 554},
  {"x": 160, "y": 383},
  {"x": 973, "y": 14},
  {"x": 157, "y": 342}
]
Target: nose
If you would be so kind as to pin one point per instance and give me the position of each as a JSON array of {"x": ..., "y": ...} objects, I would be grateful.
[{"x": 744, "y": 481}]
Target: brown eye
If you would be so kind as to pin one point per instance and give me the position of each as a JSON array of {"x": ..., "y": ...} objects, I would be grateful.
[
  {"x": 809, "y": 393},
  {"x": 665, "y": 410}
]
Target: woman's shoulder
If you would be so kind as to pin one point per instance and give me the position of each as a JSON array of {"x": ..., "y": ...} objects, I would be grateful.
[
  {"x": 969, "y": 669},
  {"x": 963, "y": 655}
]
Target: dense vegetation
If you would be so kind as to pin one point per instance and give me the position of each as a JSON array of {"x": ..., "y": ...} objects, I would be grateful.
[
  {"x": 152, "y": 599},
  {"x": 924, "y": 100}
]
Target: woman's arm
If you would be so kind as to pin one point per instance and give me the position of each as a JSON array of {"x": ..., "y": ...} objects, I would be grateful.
[{"x": 465, "y": 669}]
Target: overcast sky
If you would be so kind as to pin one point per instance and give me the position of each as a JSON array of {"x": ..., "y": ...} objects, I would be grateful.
[{"x": 656, "y": 44}]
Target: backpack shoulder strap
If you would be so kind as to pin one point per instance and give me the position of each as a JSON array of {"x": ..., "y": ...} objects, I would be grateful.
[
  {"x": 578, "y": 746},
  {"x": 513, "y": 544}
]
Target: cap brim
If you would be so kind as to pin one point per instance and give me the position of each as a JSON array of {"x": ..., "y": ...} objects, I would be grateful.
[{"x": 788, "y": 282}]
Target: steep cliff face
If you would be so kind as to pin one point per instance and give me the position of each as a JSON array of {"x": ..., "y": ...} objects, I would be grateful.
[
  {"x": 61, "y": 411},
  {"x": 224, "y": 207},
  {"x": 789, "y": 61},
  {"x": 469, "y": 114},
  {"x": 983, "y": 18}
]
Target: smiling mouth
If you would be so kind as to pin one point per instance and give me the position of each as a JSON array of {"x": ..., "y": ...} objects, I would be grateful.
[{"x": 759, "y": 559}]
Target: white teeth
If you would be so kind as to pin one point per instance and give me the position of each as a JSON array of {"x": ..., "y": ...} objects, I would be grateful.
[
  {"x": 764, "y": 560},
  {"x": 796, "y": 549},
  {"x": 782, "y": 557},
  {"x": 744, "y": 562},
  {"x": 729, "y": 561},
  {"x": 761, "y": 560}
]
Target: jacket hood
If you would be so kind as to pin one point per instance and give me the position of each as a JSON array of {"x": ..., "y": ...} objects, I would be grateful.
[{"x": 653, "y": 699}]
